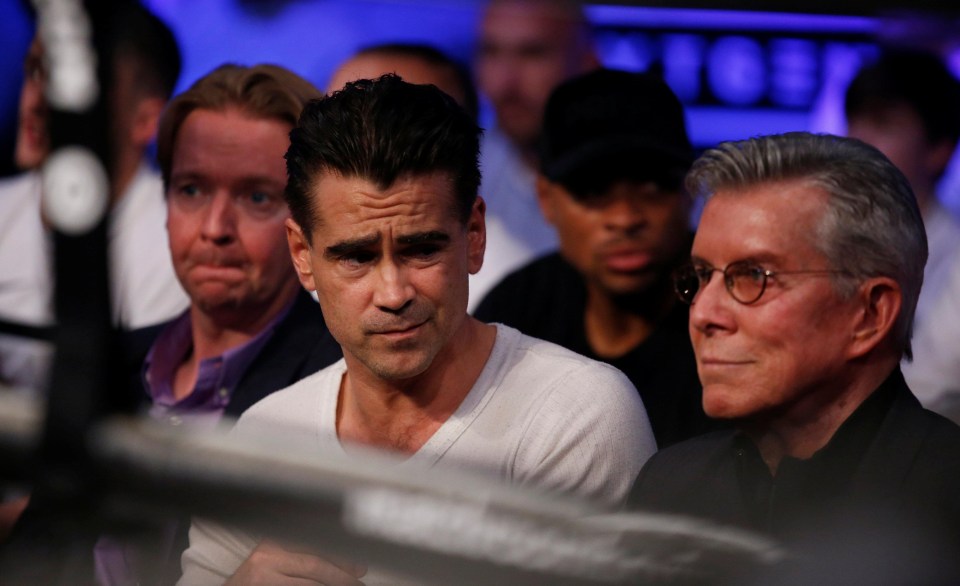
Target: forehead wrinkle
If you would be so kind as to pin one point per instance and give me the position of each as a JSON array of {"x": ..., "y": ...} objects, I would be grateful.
[
  {"x": 377, "y": 212},
  {"x": 772, "y": 223}
]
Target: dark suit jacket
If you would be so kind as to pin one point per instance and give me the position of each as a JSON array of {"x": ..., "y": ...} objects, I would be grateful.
[
  {"x": 885, "y": 508},
  {"x": 300, "y": 346}
]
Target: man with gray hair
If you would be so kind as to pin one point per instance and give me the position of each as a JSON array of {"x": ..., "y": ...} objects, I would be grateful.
[{"x": 820, "y": 248}]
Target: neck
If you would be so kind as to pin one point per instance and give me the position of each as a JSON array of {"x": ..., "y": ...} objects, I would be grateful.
[
  {"x": 806, "y": 426},
  {"x": 527, "y": 151},
  {"x": 216, "y": 331},
  {"x": 530, "y": 158},
  {"x": 616, "y": 325},
  {"x": 213, "y": 336},
  {"x": 401, "y": 415}
]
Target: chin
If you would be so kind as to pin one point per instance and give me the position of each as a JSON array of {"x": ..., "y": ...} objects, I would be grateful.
[
  {"x": 389, "y": 373},
  {"x": 400, "y": 368},
  {"x": 719, "y": 402}
]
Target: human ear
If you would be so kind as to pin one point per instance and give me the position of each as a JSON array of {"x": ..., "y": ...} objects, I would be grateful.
[
  {"x": 146, "y": 120},
  {"x": 476, "y": 236},
  {"x": 939, "y": 156},
  {"x": 546, "y": 197},
  {"x": 300, "y": 253},
  {"x": 880, "y": 300}
]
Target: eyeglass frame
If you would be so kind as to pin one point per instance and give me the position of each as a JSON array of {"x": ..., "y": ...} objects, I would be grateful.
[{"x": 729, "y": 282}]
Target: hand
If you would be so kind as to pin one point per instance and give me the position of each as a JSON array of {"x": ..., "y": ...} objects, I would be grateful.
[{"x": 271, "y": 564}]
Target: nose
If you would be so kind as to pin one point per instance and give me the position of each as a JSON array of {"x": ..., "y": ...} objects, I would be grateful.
[
  {"x": 394, "y": 292},
  {"x": 220, "y": 221},
  {"x": 624, "y": 214},
  {"x": 498, "y": 76},
  {"x": 711, "y": 309}
]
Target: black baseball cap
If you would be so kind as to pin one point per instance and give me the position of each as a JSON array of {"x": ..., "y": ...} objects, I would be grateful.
[{"x": 608, "y": 125}]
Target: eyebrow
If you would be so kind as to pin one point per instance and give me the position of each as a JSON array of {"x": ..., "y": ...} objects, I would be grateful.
[
  {"x": 354, "y": 245},
  {"x": 424, "y": 237},
  {"x": 350, "y": 246},
  {"x": 245, "y": 182}
]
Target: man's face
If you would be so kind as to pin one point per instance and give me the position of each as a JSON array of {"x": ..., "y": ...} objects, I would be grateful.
[
  {"x": 898, "y": 132},
  {"x": 624, "y": 241},
  {"x": 226, "y": 214},
  {"x": 33, "y": 142},
  {"x": 390, "y": 269},
  {"x": 526, "y": 49},
  {"x": 767, "y": 358}
]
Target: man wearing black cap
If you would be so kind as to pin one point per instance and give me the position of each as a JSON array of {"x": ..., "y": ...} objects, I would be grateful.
[{"x": 613, "y": 155}]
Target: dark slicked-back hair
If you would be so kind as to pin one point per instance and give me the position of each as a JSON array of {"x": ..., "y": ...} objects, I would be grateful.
[
  {"x": 381, "y": 130},
  {"x": 269, "y": 92}
]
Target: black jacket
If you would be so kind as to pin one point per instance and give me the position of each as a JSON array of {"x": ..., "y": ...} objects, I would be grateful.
[
  {"x": 301, "y": 345},
  {"x": 880, "y": 503}
]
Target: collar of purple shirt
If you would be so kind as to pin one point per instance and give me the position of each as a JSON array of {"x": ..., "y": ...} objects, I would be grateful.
[{"x": 217, "y": 376}]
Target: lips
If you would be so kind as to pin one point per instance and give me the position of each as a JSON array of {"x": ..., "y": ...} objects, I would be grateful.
[
  {"x": 396, "y": 330},
  {"x": 217, "y": 273},
  {"x": 720, "y": 362},
  {"x": 627, "y": 260}
]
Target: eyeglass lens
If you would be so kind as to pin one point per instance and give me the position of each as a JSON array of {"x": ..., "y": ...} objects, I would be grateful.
[{"x": 744, "y": 281}]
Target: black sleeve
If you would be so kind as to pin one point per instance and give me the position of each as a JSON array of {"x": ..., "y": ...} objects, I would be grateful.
[{"x": 500, "y": 304}]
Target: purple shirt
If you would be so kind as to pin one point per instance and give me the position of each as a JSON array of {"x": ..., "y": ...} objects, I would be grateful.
[{"x": 217, "y": 377}]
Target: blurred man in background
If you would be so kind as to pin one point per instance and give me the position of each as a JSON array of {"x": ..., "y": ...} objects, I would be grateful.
[
  {"x": 526, "y": 48},
  {"x": 614, "y": 150},
  {"x": 415, "y": 63},
  {"x": 907, "y": 104},
  {"x": 250, "y": 328},
  {"x": 144, "y": 288}
]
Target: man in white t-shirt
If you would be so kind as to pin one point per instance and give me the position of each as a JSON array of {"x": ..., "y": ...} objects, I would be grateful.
[{"x": 386, "y": 227}]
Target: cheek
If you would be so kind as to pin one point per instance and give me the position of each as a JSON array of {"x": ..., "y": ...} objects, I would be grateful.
[
  {"x": 266, "y": 243},
  {"x": 488, "y": 74},
  {"x": 336, "y": 293},
  {"x": 342, "y": 306},
  {"x": 31, "y": 97},
  {"x": 575, "y": 226},
  {"x": 179, "y": 231},
  {"x": 578, "y": 241}
]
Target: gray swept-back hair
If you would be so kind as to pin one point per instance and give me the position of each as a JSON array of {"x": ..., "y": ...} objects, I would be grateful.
[{"x": 872, "y": 225}]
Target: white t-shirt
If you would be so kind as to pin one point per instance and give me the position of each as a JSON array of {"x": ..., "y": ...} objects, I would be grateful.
[{"x": 537, "y": 416}]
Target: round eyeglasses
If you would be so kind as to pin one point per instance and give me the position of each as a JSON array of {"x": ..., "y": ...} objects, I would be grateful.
[{"x": 745, "y": 280}]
